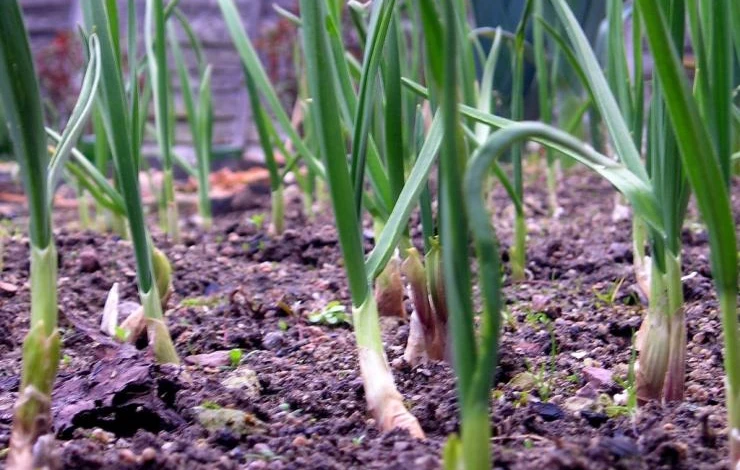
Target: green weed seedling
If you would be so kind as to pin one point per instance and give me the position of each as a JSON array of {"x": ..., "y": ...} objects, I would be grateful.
[
  {"x": 206, "y": 302},
  {"x": 333, "y": 314},
  {"x": 235, "y": 357},
  {"x": 258, "y": 220},
  {"x": 610, "y": 296}
]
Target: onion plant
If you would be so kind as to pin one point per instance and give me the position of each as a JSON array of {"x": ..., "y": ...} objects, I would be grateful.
[
  {"x": 518, "y": 252},
  {"x": 656, "y": 190},
  {"x": 261, "y": 121},
  {"x": 21, "y": 104},
  {"x": 156, "y": 52},
  {"x": 545, "y": 99},
  {"x": 383, "y": 399},
  {"x": 121, "y": 124},
  {"x": 701, "y": 122},
  {"x": 634, "y": 184},
  {"x": 663, "y": 337},
  {"x": 199, "y": 111},
  {"x": 256, "y": 76}
]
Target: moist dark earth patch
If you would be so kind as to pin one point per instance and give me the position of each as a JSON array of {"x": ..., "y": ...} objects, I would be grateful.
[{"x": 239, "y": 287}]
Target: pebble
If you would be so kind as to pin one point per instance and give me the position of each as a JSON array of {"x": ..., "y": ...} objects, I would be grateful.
[
  {"x": 300, "y": 441},
  {"x": 548, "y": 411},
  {"x": 101, "y": 436},
  {"x": 426, "y": 462},
  {"x": 257, "y": 465},
  {"x": 236, "y": 421},
  {"x": 127, "y": 456},
  {"x": 7, "y": 289},
  {"x": 587, "y": 391},
  {"x": 523, "y": 381},
  {"x": 575, "y": 404},
  {"x": 598, "y": 376},
  {"x": 88, "y": 260},
  {"x": 243, "y": 379},
  {"x": 397, "y": 363},
  {"x": 540, "y": 302},
  {"x": 273, "y": 340},
  {"x": 401, "y": 446},
  {"x": 213, "y": 359},
  {"x": 148, "y": 454}
]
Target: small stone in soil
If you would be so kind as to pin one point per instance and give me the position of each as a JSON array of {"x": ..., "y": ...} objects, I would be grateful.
[
  {"x": 7, "y": 289},
  {"x": 148, "y": 454},
  {"x": 212, "y": 359},
  {"x": 548, "y": 411},
  {"x": 88, "y": 260},
  {"x": 300, "y": 441},
  {"x": 401, "y": 446},
  {"x": 243, "y": 379},
  {"x": 523, "y": 381},
  {"x": 273, "y": 340},
  {"x": 597, "y": 376},
  {"x": 101, "y": 436},
  {"x": 575, "y": 404},
  {"x": 127, "y": 456},
  {"x": 237, "y": 421}
]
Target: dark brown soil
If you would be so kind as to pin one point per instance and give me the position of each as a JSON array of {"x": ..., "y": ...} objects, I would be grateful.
[{"x": 238, "y": 287}]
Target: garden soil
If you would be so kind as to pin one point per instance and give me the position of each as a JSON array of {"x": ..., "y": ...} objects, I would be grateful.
[{"x": 293, "y": 398}]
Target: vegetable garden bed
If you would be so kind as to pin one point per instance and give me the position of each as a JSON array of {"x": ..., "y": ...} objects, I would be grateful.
[{"x": 303, "y": 405}]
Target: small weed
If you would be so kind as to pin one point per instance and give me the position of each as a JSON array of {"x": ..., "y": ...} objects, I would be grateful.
[
  {"x": 358, "y": 440},
  {"x": 535, "y": 318},
  {"x": 528, "y": 444},
  {"x": 573, "y": 378},
  {"x": 610, "y": 296},
  {"x": 508, "y": 319},
  {"x": 522, "y": 400},
  {"x": 210, "y": 405},
  {"x": 283, "y": 325},
  {"x": 544, "y": 376},
  {"x": 628, "y": 383},
  {"x": 542, "y": 380},
  {"x": 121, "y": 334},
  {"x": 208, "y": 302},
  {"x": 66, "y": 360},
  {"x": 333, "y": 314},
  {"x": 235, "y": 357},
  {"x": 258, "y": 220}
]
